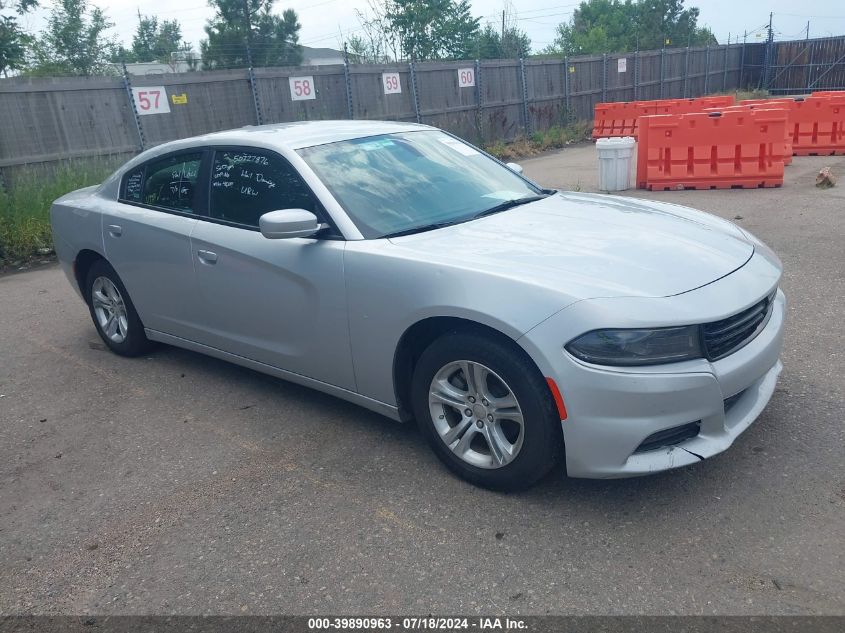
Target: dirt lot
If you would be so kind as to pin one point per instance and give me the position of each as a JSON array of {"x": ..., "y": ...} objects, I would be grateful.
[{"x": 180, "y": 484}]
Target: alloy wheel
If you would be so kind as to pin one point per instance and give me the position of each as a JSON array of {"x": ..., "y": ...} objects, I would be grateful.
[
  {"x": 476, "y": 414},
  {"x": 109, "y": 309}
]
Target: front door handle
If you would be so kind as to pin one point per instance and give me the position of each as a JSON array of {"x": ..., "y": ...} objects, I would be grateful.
[
  {"x": 207, "y": 257},
  {"x": 115, "y": 230}
]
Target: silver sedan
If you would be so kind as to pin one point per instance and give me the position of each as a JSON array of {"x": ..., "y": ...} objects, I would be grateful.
[{"x": 395, "y": 266}]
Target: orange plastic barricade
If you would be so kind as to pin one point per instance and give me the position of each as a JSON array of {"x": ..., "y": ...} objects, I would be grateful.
[
  {"x": 816, "y": 123},
  {"x": 621, "y": 118},
  {"x": 783, "y": 105},
  {"x": 732, "y": 149}
]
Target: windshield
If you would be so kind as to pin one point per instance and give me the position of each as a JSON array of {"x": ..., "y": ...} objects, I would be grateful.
[{"x": 399, "y": 183}]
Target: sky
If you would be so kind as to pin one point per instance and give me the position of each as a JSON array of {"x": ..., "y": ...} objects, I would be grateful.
[{"x": 323, "y": 21}]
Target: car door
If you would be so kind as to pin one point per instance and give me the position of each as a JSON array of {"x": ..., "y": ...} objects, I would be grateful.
[
  {"x": 277, "y": 301},
  {"x": 146, "y": 237}
]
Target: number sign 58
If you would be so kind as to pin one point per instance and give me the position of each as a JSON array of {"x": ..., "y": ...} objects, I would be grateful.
[
  {"x": 151, "y": 100},
  {"x": 302, "y": 88}
]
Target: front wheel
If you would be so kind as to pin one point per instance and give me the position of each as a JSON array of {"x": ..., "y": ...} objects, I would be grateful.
[{"x": 486, "y": 411}]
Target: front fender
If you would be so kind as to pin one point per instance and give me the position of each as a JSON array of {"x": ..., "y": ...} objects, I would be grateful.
[{"x": 389, "y": 292}]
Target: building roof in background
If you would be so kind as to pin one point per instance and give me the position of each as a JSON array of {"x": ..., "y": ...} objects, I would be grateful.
[{"x": 317, "y": 56}]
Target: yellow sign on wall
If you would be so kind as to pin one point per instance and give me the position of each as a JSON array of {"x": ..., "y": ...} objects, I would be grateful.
[{"x": 181, "y": 99}]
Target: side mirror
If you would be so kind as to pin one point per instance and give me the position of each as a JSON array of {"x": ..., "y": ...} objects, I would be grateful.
[
  {"x": 515, "y": 167},
  {"x": 288, "y": 223}
]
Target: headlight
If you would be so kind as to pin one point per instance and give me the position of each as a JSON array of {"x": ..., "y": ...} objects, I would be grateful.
[{"x": 637, "y": 347}]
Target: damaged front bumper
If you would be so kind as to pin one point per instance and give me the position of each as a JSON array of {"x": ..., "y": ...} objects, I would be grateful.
[
  {"x": 717, "y": 431},
  {"x": 617, "y": 412}
]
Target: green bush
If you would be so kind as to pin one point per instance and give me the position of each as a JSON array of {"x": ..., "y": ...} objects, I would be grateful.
[{"x": 25, "y": 207}]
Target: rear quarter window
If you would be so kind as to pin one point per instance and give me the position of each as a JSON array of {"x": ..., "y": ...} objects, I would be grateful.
[{"x": 133, "y": 186}]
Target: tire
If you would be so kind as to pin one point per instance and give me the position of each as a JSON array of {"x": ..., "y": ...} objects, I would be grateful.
[
  {"x": 524, "y": 452},
  {"x": 107, "y": 296}
]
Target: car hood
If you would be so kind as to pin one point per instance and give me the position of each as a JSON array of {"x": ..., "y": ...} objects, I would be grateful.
[{"x": 592, "y": 245}]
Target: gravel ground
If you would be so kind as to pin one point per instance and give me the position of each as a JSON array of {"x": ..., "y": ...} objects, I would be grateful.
[{"x": 180, "y": 484}]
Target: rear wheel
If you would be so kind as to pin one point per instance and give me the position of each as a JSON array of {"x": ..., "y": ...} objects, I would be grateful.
[
  {"x": 486, "y": 411},
  {"x": 112, "y": 311}
]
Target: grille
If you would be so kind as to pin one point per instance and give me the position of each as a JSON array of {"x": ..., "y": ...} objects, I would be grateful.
[
  {"x": 724, "y": 337},
  {"x": 669, "y": 437}
]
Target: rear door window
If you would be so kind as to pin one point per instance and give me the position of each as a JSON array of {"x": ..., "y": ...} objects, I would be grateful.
[{"x": 171, "y": 183}]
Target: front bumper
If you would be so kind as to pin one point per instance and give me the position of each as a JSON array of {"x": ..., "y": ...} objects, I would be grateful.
[{"x": 611, "y": 411}]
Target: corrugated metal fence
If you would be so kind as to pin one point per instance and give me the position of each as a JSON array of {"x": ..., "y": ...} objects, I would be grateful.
[
  {"x": 46, "y": 121},
  {"x": 805, "y": 65}
]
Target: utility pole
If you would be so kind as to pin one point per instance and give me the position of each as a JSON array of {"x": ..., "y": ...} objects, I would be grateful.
[
  {"x": 808, "y": 30},
  {"x": 503, "y": 27},
  {"x": 768, "y": 59}
]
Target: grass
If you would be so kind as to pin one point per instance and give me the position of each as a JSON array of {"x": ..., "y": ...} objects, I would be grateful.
[
  {"x": 553, "y": 138},
  {"x": 25, "y": 208},
  {"x": 742, "y": 95}
]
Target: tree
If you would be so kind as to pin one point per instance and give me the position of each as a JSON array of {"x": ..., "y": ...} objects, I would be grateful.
[
  {"x": 415, "y": 29},
  {"x": 73, "y": 42},
  {"x": 489, "y": 43},
  {"x": 365, "y": 51},
  {"x": 237, "y": 24},
  {"x": 617, "y": 26},
  {"x": 432, "y": 29},
  {"x": 376, "y": 44},
  {"x": 155, "y": 41},
  {"x": 13, "y": 39}
]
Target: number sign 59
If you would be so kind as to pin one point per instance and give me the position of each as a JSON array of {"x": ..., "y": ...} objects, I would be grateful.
[
  {"x": 151, "y": 100},
  {"x": 302, "y": 88},
  {"x": 466, "y": 77},
  {"x": 391, "y": 83}
]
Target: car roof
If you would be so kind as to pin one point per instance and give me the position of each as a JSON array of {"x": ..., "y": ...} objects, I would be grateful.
[{"x": 298, "y": 134}]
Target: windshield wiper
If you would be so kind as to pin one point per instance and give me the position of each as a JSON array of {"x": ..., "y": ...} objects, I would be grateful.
[
  {"x": 424, "y": 227},
  {"x": 502, "y": 206},
  {"x": 509, "y": 204}
]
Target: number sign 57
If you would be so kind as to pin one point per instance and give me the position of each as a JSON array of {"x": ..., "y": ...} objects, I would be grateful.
[
  {"x": 151, "y": 100},
  {"x": 302, "y": 88}
]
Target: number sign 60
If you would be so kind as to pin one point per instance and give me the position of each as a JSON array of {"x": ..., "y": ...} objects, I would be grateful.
[
  {"x": 302, "y": 88},
  {"x": 466, "y": 77}
]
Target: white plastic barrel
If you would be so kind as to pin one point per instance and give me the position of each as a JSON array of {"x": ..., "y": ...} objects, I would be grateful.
[{"x": 615, "y": 163}]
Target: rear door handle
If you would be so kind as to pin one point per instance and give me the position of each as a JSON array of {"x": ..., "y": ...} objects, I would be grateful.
[
  {"x": 207, "y": 256},
  {"x": 115, "y": 230}
]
